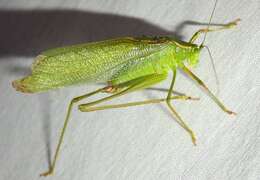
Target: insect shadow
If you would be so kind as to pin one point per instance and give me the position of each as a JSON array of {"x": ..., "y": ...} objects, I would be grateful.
[
  {"x": 25, "y": 33},
  {"x": 28, "y": 32}
]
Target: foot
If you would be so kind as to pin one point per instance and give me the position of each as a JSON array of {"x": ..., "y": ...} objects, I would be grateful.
[
  {"x": 193, "y": 98},
  {"x": 233, "y": 23},
  {"x": 50, "y": 172},
  {"x": 231, "y": 112},
  {"x": 193, "y": 138}
]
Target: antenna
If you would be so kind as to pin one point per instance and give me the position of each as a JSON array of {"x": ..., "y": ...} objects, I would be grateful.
[
  {"x": 214, "y": 68},
  {"x": 211, "y": 16}
]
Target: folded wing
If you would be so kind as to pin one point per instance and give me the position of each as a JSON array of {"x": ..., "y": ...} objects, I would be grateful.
[{"x": 90, "y": 62}]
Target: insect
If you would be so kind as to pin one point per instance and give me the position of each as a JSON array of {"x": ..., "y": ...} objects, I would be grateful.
[{"x": 126, "y": 64}]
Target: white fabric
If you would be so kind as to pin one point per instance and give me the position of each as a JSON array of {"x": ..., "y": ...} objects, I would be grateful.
[{"x": 138, "y": 142}]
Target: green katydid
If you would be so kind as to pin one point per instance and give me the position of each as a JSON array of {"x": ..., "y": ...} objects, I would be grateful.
[{"x": 127, "y": 64}]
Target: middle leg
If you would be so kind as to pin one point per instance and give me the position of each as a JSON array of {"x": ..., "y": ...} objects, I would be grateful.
[{"x": 178, "y": 118}]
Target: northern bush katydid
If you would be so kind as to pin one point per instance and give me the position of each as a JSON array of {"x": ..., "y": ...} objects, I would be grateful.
[{"x": 127, "y": 64}]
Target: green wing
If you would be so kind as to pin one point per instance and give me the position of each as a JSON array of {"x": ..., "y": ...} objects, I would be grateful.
[{"x": 91, "y": 62}]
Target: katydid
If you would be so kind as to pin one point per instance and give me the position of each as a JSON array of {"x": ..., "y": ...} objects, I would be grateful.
[{"x": 126, "y": 64}]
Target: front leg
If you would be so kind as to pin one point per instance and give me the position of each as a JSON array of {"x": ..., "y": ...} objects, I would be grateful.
[
  {"x": 229, "y": 25},
  {"x": 202, "y": 84}
]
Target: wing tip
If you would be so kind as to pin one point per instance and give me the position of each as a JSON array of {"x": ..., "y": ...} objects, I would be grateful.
[{"x": 20, "y": 86}]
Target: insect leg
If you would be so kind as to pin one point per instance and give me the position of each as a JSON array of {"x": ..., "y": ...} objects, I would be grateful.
[
  {"x": 73, "y": 101},
  {"x": 224, "y": 26},
  {"x": 178, "y": 93},
  {"x": 89, "y": 108},
  {"x": 178, "y": 118},
  {"x": 149, "y": 80},
  {"x": 133, "y": 85},
  {"x": 111, "y": 90},
  {"x": 127, "y": 87},
  {"x": 200, "y": 82}
]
